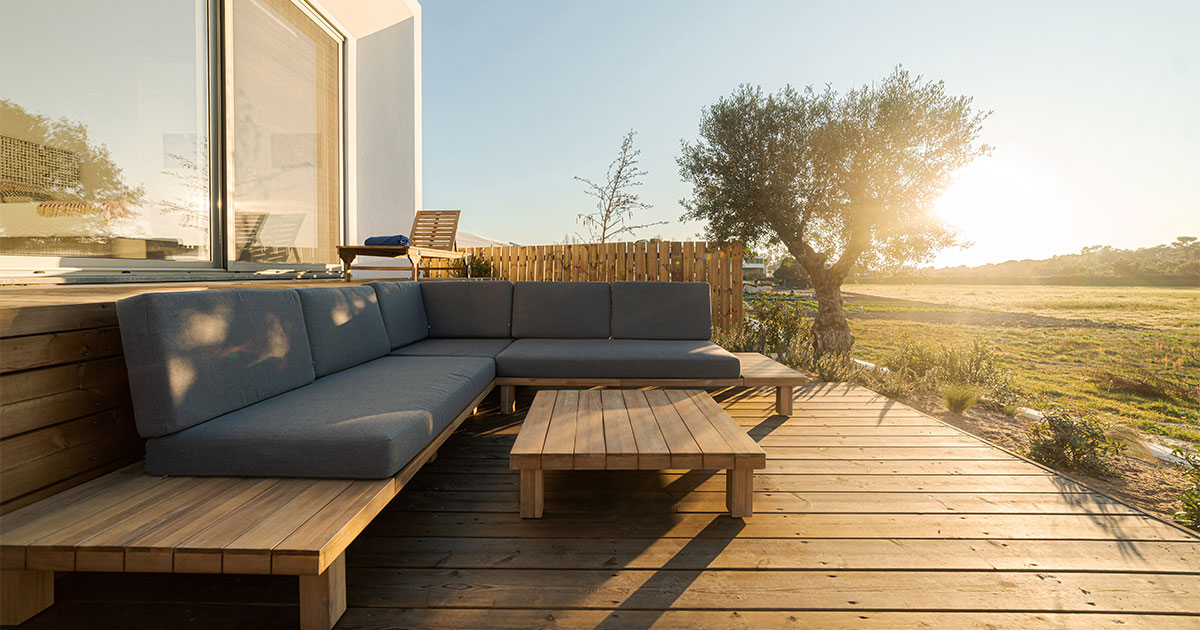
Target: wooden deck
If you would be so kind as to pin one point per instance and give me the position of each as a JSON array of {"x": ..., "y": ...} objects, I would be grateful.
[{"x": 868, "y": 515}]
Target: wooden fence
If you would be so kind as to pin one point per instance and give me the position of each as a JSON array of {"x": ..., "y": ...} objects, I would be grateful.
[{"x": 718, "y": 264}]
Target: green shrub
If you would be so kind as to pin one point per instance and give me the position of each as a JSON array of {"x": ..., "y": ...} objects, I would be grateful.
[
  {"x": 480, "y": 267},
  {"x": 959, "y": 398},
  {"x": 1069, "y": 442},
  {"x": 1009, "y": 410},
  {"x": 775, "y": 326},
  {"x": 1189, "y": 511},
  {"x": 837, "y": 368},
  {"x": 931, "y": 368}
]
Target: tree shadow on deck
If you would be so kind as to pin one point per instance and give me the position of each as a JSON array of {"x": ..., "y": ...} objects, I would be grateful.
[{"x": 673, "y": 579}]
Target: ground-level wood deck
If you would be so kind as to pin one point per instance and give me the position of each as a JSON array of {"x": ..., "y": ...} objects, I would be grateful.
[{"x": 869, "y": 514}]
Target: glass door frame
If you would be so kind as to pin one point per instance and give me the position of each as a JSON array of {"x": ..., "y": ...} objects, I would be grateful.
[
  {"x": 223, "y": 88},
  {"x": 53, "y": 266}
]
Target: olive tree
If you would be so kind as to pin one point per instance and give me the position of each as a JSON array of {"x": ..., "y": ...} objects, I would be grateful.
[{"x": 838, "y": 179}]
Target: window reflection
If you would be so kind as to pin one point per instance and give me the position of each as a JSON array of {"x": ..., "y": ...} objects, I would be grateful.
[{"x": 104, "y": 129}]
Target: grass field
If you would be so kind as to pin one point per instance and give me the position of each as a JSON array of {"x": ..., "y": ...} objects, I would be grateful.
[{"x": 1121, "y": 353}]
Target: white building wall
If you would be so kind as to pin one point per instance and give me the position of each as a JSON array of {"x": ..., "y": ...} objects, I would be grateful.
[{"x": 383, "y": 118}]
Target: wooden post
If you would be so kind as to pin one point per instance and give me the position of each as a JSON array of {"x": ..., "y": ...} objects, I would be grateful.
[
  {"x": 508, "y": 399},
  {"x": 24, "y": 594},
  {"x": 323, "y": 597},
  {"x": 783, "y": 400},
  {"x": 532, "y": 493},
  {"x": 739, "y": 492}
]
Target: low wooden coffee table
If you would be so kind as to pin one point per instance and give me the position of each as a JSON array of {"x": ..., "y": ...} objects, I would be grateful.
[{"x": 629, "y": 429}]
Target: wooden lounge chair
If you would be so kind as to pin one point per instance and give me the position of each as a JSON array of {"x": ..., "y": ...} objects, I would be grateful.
[{"x": 433, "y": 236}]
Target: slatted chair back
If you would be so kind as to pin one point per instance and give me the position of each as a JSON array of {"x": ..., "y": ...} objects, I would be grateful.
[{"x": 435, "y": 229}]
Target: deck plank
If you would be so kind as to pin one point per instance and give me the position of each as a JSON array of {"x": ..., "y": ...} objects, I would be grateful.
[{"x": 773, "y": 589}]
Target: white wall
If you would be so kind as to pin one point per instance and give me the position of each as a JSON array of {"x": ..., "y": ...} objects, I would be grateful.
[{"x": 383, "y": 118}]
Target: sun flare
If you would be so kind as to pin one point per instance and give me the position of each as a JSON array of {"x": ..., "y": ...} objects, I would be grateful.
[{"x": 1000, "y": 205}]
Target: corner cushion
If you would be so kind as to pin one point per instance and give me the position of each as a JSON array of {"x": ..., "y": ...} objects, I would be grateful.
[
  {"x": 466, "y": 308},
  {"x": 403, "y": 311}
]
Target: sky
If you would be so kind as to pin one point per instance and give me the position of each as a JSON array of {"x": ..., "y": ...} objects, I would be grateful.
[{"x": 1095, "y": 123}]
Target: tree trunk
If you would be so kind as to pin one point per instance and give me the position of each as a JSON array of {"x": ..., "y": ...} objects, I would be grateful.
[{"x": 831, "y": 331}]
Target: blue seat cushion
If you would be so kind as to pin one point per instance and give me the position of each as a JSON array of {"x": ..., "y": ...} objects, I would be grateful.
[
  {"x": 561, "y": 310},
  {"x": 195, "y": 355},
  {"x": 487, "y": 348},
  {"x": 365, "y": 422},
  {"x": 661, "y": 310},
  {"x": 464, "y": 308},
  {"x": 616, "y": 358},
  {"x": 344, "y": 326},
  {"x": 403, "y": 311}
]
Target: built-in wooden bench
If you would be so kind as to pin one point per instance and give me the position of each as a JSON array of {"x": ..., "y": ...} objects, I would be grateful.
[
  {"x": 757, "y": 371},
  {"x": 128, "y": 521}
]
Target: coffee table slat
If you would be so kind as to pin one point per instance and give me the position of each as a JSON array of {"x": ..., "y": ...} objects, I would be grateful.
[
  {"x": 527, "y": 450},
  {"x": 589, "y": 432},
  {"x": 619, "y": 442},
  {"x": 747, "y": 453},
  {"x": 653, "y": 453},
  {"x": 559, "y": 449},
  {"x": 717, "y": 452},
  {"x": 685, "y": 453}
]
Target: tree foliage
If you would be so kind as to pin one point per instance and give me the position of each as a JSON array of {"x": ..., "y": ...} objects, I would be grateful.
[
  {"x": 838, "y": 179},
  {"x": 791, "y": 272},
  {"x": 616, "y": 200},
  {"x": 100, "y": 178}
]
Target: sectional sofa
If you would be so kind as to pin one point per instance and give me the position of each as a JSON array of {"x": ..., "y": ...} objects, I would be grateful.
[{"x": 353, "y": 382}]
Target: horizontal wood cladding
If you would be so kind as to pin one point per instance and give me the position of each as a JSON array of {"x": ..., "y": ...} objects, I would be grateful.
[
  {"x": 35, "y": 351},
  {"x": 65, "y": 415}
]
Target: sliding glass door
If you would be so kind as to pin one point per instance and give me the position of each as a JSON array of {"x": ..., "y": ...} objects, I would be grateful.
[
  {"x": 104, "y": 133},
  {"x": 164, "y": 134},
  {"x": 283, "y": 129}
]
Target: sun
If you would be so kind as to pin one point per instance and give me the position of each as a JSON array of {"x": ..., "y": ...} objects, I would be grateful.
[{"x": 1002, "y": 205}]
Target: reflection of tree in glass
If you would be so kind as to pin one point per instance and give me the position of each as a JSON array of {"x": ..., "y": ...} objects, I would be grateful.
[
  {"x": 92, "y": 191},
  {"x": 192, "y": 173},
  {"x": 100, "y": 179}
]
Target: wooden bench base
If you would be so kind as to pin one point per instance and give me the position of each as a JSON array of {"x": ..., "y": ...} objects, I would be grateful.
[
  {"x": 128, "y": 521},
  {"x": 24, "y": 594}
]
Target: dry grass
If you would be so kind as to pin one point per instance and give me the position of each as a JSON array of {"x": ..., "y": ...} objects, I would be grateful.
[{"x": 1152, "y": 307}]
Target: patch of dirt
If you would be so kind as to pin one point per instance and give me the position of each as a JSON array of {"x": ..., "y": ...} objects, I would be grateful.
[
  {"x": 933, "y": 313},
  {"x": 1151, "y": 486}
]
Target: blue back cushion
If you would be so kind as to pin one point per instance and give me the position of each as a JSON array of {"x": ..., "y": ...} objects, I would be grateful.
[
  {"x": 561, "y": 310},
  {"x": 661, "y": 310},
  {"x": 403, "y": 311},
  {"x": 344, "y": 326},
  {"x": 196, "y": 355},
  {"x": 466, "y": 308}
]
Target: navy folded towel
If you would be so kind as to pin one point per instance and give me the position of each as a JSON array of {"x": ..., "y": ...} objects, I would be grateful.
[{"x": 398, "y": 240}]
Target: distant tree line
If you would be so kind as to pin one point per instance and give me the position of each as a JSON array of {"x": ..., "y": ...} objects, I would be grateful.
[{"x": 1173, "y": 264}]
